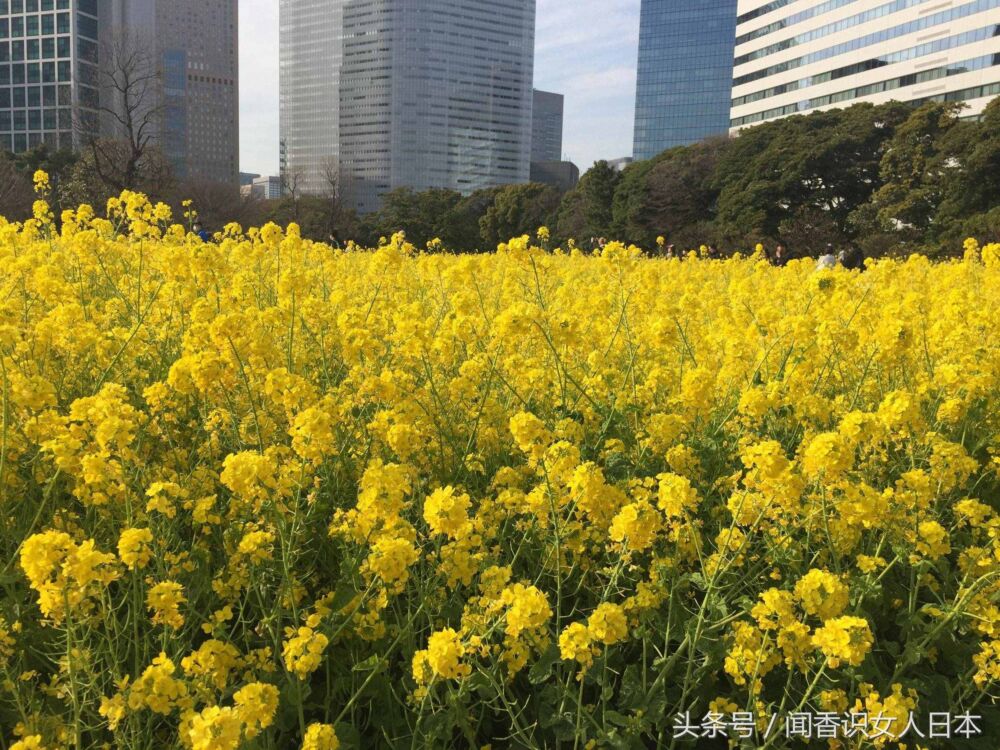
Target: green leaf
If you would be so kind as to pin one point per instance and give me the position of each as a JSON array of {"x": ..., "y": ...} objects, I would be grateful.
[
  {"x": 369, "y": 664},
  {"x": 542, "y": 668}
]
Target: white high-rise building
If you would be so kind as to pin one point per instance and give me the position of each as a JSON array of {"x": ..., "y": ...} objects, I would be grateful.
[
  {"x": 382, "y": 94},
  {"x": 797, "y": 56}
]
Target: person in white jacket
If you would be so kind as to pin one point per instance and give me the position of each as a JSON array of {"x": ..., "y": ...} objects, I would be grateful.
[{"x": 827, "y": 260}]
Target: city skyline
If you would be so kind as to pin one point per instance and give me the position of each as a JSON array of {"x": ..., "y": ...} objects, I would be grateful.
[
  {"x": 131, "y": 70},
  {"x": 195, "y": 44},
  {"x": 593, "y": 65}
]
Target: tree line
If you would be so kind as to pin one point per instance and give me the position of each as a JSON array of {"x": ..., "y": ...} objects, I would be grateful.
[
  {"x": 889, "y": 178},
  {"x": 884, "y": 179}
]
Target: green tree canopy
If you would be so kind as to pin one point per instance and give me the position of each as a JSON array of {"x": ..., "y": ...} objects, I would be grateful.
[
  {"x": 829, "y": 161},
  {"x": 518, "y": 210}
]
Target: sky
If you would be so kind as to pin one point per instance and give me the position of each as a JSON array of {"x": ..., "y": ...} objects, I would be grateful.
[{"x": 582, "y": 50}]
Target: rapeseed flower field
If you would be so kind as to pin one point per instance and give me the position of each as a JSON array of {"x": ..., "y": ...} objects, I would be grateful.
[{"x": 259, "y": 493}]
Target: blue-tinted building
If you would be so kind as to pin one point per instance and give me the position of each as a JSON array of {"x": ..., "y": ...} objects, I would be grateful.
[{"x": 685, "y": 81}]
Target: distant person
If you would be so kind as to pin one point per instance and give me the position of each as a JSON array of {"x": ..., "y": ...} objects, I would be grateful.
[
  {"x": 713, "y": 252},
  {"x": 199, "y": 230},
  {"x": 854, "y": 259},
  {"x": 780, "y": 257},
  {"x": 827, "y": 260},
  {"x": 671, "y": 251}
]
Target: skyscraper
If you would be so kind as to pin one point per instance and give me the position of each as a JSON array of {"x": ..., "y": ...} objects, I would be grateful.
[
  {"x": 834, "y": 54},
  {"x": 685, "y": 73},
  {"x": 377, "y": 94},
  {"x": 194, "y": 48},
  {"x": 310, "y": 53},
  {"x": 47, "y": 66},
  {"x": 547, "y": 126},
  {"x": 54, "y": 63}
]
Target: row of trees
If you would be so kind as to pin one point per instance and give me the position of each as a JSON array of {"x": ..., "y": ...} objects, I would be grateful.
[
  {"x": 890, "y": 178},
  {"x": 887, "y": 178}
]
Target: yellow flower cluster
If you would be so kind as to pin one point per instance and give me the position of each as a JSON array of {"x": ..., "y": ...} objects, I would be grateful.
[
  {"x": 442, "y": 658},
  {"x": 606, "y": 625},
  {"x": 65, "y": 575},
  {"x": 303, "y": 651},
  {"x": 320, "y": 737},
  {"x": 261, "y": 492},
  {"x": 135, "y": 547}
]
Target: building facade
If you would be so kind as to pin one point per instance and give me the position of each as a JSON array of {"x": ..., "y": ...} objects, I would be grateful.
[
  {"x": 547, "y": 126},
  {"x": 685, "y": 73},
  {"x": 377, "y": 95},
  {"x": 54, "y": 63},
  {"x": 48, "y": 67},
  {"x": 562, "y": 175},
  {"x": 797, "y": 57},
  {"x": 310, "y": 54},
  {"x": 619, "y": 165},
  {"x": 266, "y": 188},
  {"x": 194, "y": 48}
]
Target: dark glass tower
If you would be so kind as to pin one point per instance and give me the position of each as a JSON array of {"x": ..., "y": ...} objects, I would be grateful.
[{"x": 685, "y": 81}]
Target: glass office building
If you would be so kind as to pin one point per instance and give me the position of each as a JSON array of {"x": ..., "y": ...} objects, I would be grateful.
[
  {"x": 48, "y": 58},
  {"x": 547, "y": 126},
  {"x": 380, "y": 94},
  {"x": 685, "y": 73},
  {"x": 52, "y": 89},
  {"x": 810, "y": 56},
  {"x": 310, "y": 51}
]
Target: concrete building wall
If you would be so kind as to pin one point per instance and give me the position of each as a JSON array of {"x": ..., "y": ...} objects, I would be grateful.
[
  {"x": 797, "y": 57},
  {"x": 563, "y": 175}
]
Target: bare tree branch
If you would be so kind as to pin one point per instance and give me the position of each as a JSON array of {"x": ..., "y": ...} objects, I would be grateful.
[{"x": 131, "y": 107}]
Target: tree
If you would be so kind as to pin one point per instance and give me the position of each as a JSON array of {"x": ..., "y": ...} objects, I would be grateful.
[
  {"x": 518, "y": 210},
  {"x": 681, "y": 196},
  {"x": 828, "y": 161},
  {"x": 15, "y": 191},
  {"x": 217, "y": 204},
  {"x": 588, "y": 210},
  {"x": 461, "y": 224},
  {"x": 809, "y": 230},
  {"x": 291, "y": 191},
  {"x": 968, "y": 169},
  {"x": 914, "y": 170},
  {"x": 630, "y": 201},
  {"x": 423, "y": 216},
  {"x": 131, "y": 106},
  {"x": 17, "y": 188}
]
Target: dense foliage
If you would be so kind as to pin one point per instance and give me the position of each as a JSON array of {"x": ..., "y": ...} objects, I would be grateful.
[
  {"x": 262, "y": 493},
  {"x": 889, "y": 179}
]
